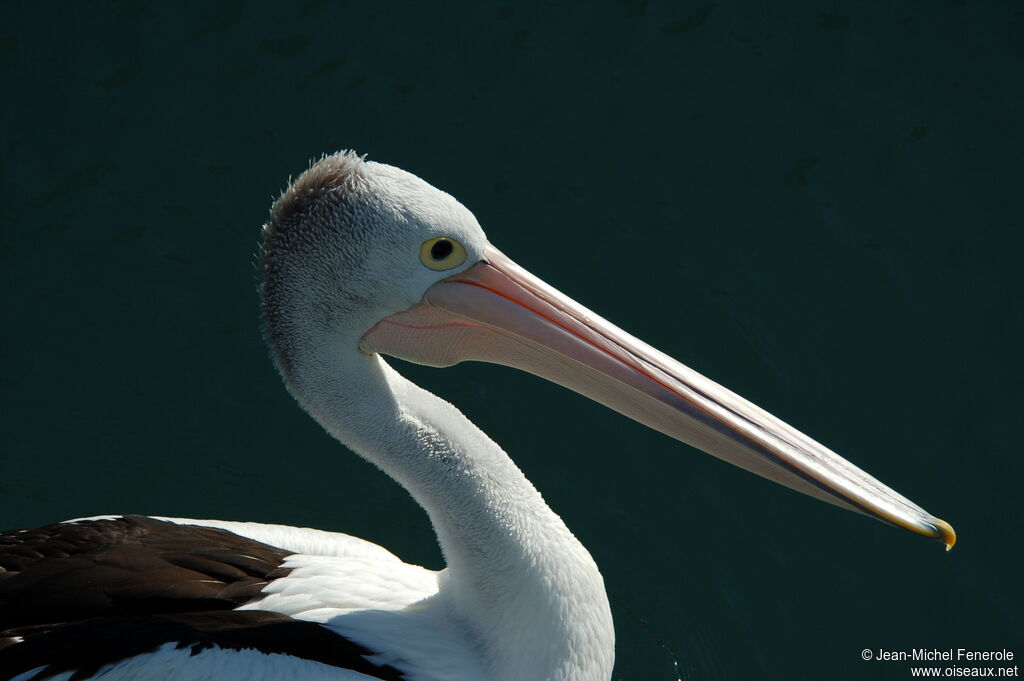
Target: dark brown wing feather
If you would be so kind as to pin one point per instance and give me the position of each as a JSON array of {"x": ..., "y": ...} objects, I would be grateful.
[
  {"x": 127, "y": 566},
  {"x": 86, "y": 647},
  {"x": 78, "y": 596}
]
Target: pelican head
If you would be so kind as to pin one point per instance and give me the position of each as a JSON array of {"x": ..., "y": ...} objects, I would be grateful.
[
  {"x": 344, "y": 249},
  {"x": 373, "y": 259}
]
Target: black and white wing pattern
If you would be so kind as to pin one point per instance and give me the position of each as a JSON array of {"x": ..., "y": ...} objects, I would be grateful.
[{"x": 109, "y": 598}]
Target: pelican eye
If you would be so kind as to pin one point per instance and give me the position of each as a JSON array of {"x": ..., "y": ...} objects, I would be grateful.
[{"x": 442, "y": 253}]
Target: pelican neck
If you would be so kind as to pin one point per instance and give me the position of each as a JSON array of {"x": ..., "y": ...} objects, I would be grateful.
[{"x": 526, "y": 588}]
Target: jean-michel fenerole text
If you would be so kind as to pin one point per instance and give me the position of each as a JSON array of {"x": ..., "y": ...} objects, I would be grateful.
[{"x": 950, "y": 655}]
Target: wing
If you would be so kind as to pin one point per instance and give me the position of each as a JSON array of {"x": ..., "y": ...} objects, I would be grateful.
[
  {"x": 85, "y": 648},
  {"x": 304, "y": 540},
  {"x": 127, "y": 566},
  {"x": 78, "y": 597}
]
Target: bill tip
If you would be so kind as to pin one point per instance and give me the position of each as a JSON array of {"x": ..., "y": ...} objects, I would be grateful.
[{"x": 945, "y": 533}]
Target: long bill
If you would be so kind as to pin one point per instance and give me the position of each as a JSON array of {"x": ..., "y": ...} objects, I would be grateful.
[{"x": 497, "y": 312}]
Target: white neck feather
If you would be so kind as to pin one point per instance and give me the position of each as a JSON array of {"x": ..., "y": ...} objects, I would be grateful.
[{"x": 525, "y": 587}]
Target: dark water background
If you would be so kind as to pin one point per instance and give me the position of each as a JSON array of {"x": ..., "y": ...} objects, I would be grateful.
[{"x": 818, "y": 205}]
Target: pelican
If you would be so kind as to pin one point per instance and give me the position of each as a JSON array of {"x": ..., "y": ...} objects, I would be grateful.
[{"x": 360, "y": 260}]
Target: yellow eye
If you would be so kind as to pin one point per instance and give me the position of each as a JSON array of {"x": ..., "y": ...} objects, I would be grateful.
[{"x": 442, "y": 253}]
